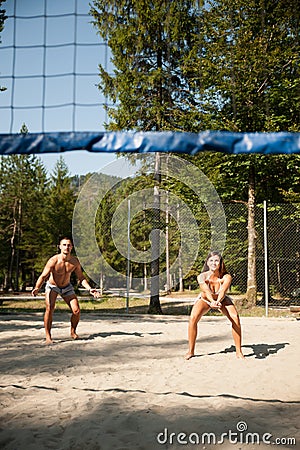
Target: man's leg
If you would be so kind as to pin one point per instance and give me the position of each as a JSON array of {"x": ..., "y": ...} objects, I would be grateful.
[
  {"x": 73, "y": 304},
  {"x": 48, "y": 316}
]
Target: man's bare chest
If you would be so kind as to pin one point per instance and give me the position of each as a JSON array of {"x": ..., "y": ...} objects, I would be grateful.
[{"x": 64, "y": 267}]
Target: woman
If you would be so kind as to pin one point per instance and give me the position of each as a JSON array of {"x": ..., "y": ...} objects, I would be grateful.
[{"x": 214, "y": 282}]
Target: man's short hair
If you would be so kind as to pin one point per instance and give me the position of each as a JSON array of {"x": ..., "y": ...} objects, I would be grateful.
[{"x": 67, "y": 238}]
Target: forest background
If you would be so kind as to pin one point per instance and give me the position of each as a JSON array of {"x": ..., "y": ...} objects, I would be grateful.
[{"x": 179, "y": 66}]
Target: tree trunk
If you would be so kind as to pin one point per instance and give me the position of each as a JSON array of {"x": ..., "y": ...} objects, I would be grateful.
[
  {"x": 12, "y": 250},
  {"x": 251, "y": 275}
]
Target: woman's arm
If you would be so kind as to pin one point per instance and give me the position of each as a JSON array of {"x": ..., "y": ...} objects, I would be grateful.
[
  {"x": 224, "y": 287},
  {"x": 204, "y": 288}
]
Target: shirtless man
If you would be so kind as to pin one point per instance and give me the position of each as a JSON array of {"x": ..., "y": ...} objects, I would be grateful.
[{"x": 57, "y": 272}]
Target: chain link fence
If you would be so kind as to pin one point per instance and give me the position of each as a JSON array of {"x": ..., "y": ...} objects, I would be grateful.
[
  {"x": 277, "y": 239},
  {"x": 277, "y": 235}
]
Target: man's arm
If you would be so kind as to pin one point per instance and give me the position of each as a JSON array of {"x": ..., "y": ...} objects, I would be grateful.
[
  {"x": 84, "y": 282},
  {"x": 43, "y": 277}
]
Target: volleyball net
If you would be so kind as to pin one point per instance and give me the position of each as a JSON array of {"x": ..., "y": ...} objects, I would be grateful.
[
  {"x": 49, "y": 57},
  {"x": 49, "y": 66}
]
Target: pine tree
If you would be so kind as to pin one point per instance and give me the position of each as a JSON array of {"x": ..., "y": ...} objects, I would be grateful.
[
  {"x": 149, "y": 42},
  {"x": 23, "y": 236},
  {"x": 247, "y": 67},
  {"x": 61, "y": 202}
]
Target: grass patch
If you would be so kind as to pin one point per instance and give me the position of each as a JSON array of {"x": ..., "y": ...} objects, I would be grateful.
[{"x": 117, "y": 305}]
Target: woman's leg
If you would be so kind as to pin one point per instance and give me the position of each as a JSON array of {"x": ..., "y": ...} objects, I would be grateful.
[
  {"x": 199, "y": 309},
  {"x": 230, "y": 311}
]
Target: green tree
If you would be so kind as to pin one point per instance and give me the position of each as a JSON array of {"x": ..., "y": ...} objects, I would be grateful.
[
  {"x": 247, "y": 68},
  {"x": 61, "y": 201},
  {"x": 91, "y": 220},
  {"x": 148, "y": 42},
  {"x": 23, "y": 192}
]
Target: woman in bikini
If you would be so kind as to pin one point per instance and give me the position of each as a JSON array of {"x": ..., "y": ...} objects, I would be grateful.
[{"x": 214, "y": 282}]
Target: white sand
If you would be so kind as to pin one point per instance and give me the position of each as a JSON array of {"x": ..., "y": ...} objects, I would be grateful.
[{"x": 126, "y": 381}]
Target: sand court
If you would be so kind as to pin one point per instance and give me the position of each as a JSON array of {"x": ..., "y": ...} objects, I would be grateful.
[{"x": 125, "y": 384}]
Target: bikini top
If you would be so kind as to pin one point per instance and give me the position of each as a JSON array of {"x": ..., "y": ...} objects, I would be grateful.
[{"x": 205, "y": 278}]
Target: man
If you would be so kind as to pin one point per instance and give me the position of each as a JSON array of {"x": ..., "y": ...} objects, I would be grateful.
[{"x": 57, "y": 272}]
